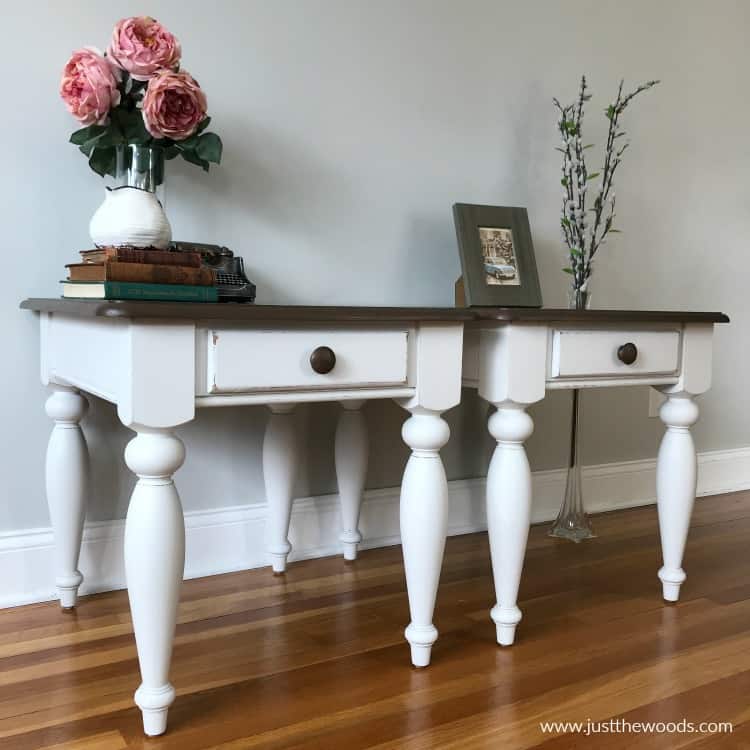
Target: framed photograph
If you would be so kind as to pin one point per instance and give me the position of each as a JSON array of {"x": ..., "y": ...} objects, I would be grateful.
[{"x": 497, "y": 257}]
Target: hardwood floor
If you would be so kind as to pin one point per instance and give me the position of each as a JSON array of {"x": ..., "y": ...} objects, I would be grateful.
[{"x": 317, "y": 659}]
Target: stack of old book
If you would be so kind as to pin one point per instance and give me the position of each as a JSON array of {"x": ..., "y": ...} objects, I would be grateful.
[{"x": 140, "y": 274}]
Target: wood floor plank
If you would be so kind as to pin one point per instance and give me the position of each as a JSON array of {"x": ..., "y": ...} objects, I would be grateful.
[
  {"x": 105, "y": 741},
  {"x": 316, "y": 659}
]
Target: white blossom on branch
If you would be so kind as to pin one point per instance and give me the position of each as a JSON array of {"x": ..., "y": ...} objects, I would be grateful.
[{"x": 582, "y": 237}]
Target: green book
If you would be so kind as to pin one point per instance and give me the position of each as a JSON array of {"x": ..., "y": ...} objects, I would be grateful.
[{"x": 137, "y": 290}]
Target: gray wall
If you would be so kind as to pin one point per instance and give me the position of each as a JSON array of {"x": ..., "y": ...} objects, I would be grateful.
[{"x": 350, "y": 127}]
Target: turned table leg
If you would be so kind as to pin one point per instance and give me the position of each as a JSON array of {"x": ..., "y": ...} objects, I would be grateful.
[
  {"x": 280, "y": 459},
  {"x": 67, "y": 476},
  {"x": 676, "y": 477},
  {"x": 154, "y": 563},
  {"x": 508, "y": 512},
  {"x": 351, "y": 470},
  {"x": 424, "y": 519}
]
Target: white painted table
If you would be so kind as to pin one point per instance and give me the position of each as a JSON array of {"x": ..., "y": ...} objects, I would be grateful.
[
  {"x": 514, "y": 356},
  {"x": 158, "y": 362}
]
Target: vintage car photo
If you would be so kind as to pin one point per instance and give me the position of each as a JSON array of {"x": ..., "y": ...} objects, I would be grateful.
[{"x": 499, "y": 257}]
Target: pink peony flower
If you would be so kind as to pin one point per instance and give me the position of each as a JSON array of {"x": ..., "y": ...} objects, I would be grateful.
[
  {"x": 143, "y": 47},
  {"x": 89, "y": 86},
  {"x": 173, "y": 105}
]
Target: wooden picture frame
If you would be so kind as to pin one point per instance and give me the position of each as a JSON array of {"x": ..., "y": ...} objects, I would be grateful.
[{"x": 497, "y": 256}]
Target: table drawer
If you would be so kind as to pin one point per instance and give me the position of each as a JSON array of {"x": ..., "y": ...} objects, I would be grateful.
[
  {"x": 242, "y": 360},
  {"x": 578, "y": 353}
]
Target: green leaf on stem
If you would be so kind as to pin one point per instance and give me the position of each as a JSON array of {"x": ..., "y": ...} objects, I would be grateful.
[
  {"x": 102, "y": 161},
  {"x": 568, "y": 270},
  {"x": 564, "y": 182},
  {"x": 209, "y": 147},
  {"x": 134, "y": 128},
  {"x": 90, "y": 133},
  {"x": 118, "y": 120},
  {"x": 203, "y": 125},
  {"x": 593, "y": 176},
  {"x": 193, "y": 158},
  {"x": 616, "y": 231},
  {"x": 112, "y": 137},
  {"x": 575, "y": 251},
  {"x": 189, "y": 144}
]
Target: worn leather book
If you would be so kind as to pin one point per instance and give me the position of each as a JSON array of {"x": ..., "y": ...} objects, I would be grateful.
[
  {"x": 141, "y": 255},
  {"x": 149, "y": 273}
]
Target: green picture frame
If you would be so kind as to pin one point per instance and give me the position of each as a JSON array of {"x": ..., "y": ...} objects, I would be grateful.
[{"x": 497, "y": 256}]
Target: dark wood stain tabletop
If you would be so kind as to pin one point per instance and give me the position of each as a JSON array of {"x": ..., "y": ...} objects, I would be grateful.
[
  {"x": 241, "y": 311},
  {"x": 547, "y": 315},
  {"x": 301, "y": 313}
]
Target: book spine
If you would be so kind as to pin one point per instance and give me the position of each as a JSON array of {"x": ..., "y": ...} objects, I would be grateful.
[
  {"x": 160, "y": 292},
  {"x": 136, "y": 255},
  {"x": 158, "y": 274}
]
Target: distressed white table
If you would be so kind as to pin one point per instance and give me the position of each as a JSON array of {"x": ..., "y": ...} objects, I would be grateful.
[
  {"x": 158, "y": 362},
  {"x": 513, "y": 356}
]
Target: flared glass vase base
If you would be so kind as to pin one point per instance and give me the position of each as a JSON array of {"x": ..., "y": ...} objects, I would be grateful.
[
  {"x": 572, "y": 530},
  {"x": 572, "y": 522}
]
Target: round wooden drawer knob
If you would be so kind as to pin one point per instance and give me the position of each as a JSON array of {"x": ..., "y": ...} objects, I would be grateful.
[
  {"x": 323, "y": 360},
  {"x": 627, "y": 353}
]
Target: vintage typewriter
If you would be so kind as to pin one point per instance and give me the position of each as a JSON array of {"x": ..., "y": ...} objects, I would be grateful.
[{"x": 229, "y": 269}]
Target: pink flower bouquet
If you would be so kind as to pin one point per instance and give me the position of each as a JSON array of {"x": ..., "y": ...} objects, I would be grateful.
[{"x": 136, "y": 94}]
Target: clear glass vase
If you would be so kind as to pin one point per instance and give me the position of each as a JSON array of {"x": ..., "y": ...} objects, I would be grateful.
[
  {"x": 140, "y": 167},
  {"x": 578, "y": 299},
  {"x": 572, "y": 522},
  {"x": 132, "y": 214}
]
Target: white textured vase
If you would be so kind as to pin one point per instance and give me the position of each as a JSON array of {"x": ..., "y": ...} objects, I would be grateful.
[{"x": 130, "y": 216}]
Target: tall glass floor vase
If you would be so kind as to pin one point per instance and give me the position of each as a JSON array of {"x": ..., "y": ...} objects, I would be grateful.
[{"x": 572, "y": 522}]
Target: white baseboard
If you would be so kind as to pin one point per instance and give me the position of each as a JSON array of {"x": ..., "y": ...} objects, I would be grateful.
[{"x": 231, "y": 538}]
